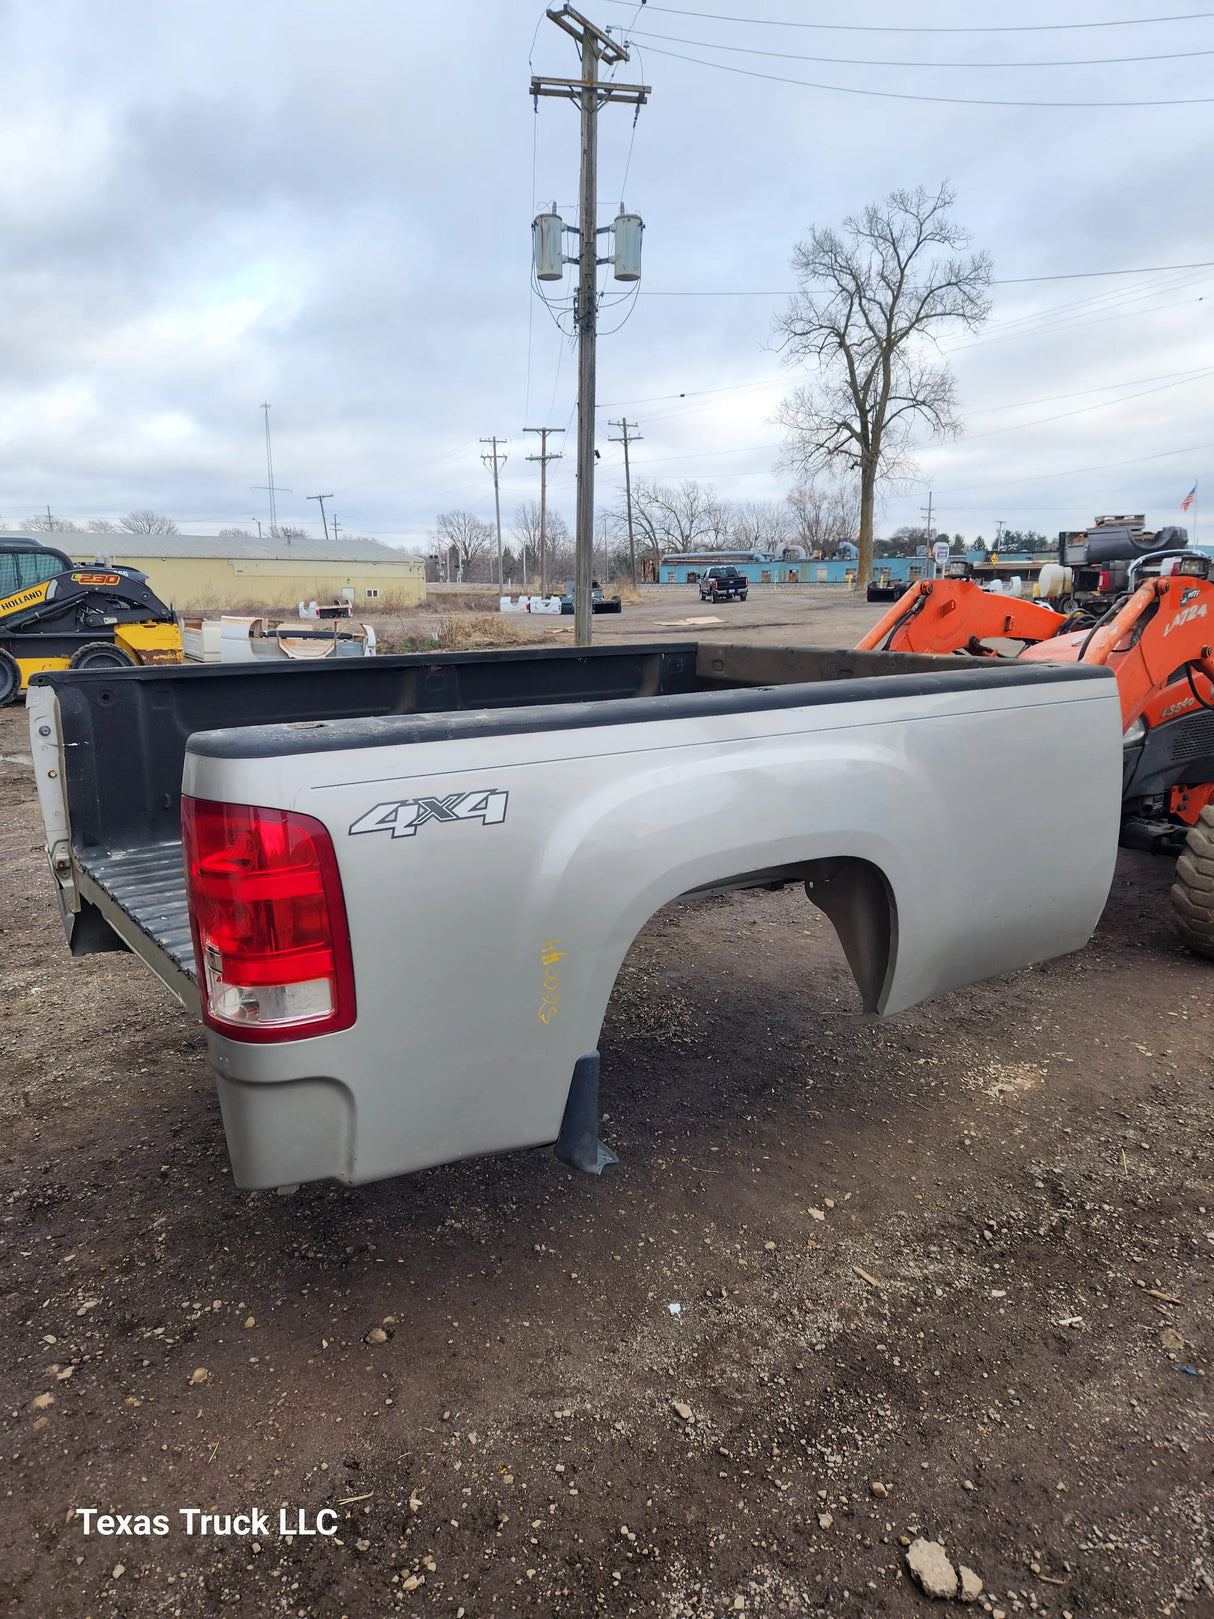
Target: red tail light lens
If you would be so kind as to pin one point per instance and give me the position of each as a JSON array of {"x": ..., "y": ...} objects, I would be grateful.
[
  {"x": 269, "y": 920},
  {"x": 1106, "y": 580}
]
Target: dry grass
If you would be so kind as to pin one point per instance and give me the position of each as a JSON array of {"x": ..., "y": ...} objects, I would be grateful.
[
  {"x": 624, "y": 590},
  {"x": 464, "y": 632}
]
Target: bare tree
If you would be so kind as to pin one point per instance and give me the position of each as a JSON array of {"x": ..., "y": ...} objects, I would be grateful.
[
  {"x": 464, "y": 538},
  {"x": 761, "y": 525},
  {"x": 526, "y": 530},
  {"x": 558, "y": 541},
  {"x": 872, "y": 297},
  {"x": 688, "y": 517},
  {"x": 45, "y": 523},
  {"x": 908, "y": 541},
  {"x": 825, "y": 515},
  {"x": 148, "y": 522},
  {"x": 102, "y": 525},
  {"x": 234, "y": 534},
  {"x": 291, "y": 531},
  {"x": 562, "y": 561}
]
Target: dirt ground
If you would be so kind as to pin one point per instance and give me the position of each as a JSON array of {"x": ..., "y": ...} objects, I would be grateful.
[
  {"x": 770, "y": 614},
  {"x": 852, "y": 1281}
]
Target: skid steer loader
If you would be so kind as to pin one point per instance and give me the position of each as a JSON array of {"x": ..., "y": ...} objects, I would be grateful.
[
  {"x": 58, "y": 614},
  {"x": 1156, "y": 632}
]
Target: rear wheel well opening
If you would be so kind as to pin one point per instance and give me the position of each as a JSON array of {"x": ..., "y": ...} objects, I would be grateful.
[{"x": 856, "y": 897}]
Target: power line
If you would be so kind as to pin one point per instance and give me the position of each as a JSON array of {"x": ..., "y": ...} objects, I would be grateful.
[
  {"x": 1087, "y": 275},
  {"x": 1074, "y": 472},
  {"x": 886, "y": 28},
  {"x": 906, "y": 95},
  {"x": 780, "y": 381},
  {"x": 1083, "y": 410},
  {"x": 1103, "y": 404},
  {"x": 868, "y": 61},
  {"x": 998, "y": 281}
]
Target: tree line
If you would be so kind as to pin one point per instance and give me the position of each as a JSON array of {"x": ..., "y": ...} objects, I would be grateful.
[{"x": 668, "y": 519}]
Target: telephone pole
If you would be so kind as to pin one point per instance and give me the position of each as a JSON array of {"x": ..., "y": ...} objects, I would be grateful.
[
  {"x": 930, "y": 569},
  {"x": 543, "y": 458},
  {"x": 588, "y": 93},
  {"x": 270, "y": 473},
  {"x": 323, "y": 522},
  {"x": 495, "y": 459},
  {"x": 269, "y": 484},
  {"x": 626, "y": 438}
]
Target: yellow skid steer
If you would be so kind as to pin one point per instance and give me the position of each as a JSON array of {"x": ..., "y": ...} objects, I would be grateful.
[{"x": 58, "y": 614}]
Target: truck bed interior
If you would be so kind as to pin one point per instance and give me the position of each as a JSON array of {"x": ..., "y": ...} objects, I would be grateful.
[{"x": 126, "y": 834}]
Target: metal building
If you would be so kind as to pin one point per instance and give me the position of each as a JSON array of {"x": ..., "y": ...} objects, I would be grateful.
[{"x": 207, "y": 572}]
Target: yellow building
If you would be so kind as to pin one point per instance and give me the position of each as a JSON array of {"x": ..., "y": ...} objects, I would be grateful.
[{"x": 208, "y": 573}]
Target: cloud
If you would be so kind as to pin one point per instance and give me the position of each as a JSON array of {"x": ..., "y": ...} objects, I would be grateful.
[{"x": 206, "y": 206}]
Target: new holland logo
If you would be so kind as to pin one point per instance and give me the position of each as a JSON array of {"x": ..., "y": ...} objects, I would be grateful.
[{"x": 404, "y": 817}]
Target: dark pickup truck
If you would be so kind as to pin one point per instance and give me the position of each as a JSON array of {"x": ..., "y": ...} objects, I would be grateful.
[{"x": 724, "y": 585}]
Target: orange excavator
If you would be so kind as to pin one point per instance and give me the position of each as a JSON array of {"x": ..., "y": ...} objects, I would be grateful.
[{"x": 1157, "y": 635}]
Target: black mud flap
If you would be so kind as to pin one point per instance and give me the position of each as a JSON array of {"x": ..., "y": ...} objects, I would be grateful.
[{"x": 578, "y": 1144}]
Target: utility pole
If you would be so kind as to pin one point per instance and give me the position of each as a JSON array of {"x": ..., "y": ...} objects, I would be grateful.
[
  {"x": 589, "y": 94},
  {"x": 270, "y": 473},
  {"x": 626, "y": 438},
  {"x": 1000, "y": 525},
  {"x": 324, "y": 524},
  {"x": 543, "y": 458},
  {"x": 495, "y": 459},
  {"x": 334, "y": 528},
  {"x": 269, "y": 483},
  {"x": 930, "y": 569}
]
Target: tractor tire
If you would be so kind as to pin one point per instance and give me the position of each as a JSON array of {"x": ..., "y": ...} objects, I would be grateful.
[
  {"x": 100, "y": 655},
  {"x": 1193, "y": 890},
  {"x": 10, "y": 679}
]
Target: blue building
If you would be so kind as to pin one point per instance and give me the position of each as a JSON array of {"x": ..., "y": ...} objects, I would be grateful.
[{"x": 686, "y": 568}]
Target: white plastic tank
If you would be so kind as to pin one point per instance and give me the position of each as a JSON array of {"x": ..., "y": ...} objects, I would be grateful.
[
  {"x": 548, "y": 246},
  {"x": 1054, "y": 580},
  {"x": 627, "y": 231}
]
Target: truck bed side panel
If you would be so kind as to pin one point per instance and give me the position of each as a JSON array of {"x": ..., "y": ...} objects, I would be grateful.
[{"x": 485, "y": 948}]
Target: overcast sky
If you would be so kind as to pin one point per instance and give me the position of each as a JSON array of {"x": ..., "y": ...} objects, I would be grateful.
[{"x": 204, "y": 206}]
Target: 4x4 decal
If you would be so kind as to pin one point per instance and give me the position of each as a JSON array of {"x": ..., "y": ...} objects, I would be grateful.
[{"x": 404, "y": 817}]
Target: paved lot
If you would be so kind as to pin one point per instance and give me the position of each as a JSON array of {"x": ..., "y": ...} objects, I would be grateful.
[{"x": 964, "y": 1255}]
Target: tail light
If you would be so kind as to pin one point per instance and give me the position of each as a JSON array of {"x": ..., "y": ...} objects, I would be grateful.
[
  {"x": 1106, "y": 580},
  {"x": 269, "y": 922}
]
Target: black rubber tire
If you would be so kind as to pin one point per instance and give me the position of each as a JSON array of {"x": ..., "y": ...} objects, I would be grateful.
[
  {"x": 742, "y": 596},
  {"x": 1193, "y": 890},
  {"x": 10, "y": 679},
  {"x": 100, "y": 655}
]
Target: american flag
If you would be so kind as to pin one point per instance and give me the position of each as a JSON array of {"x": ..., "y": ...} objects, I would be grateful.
[{"x": 1189, "y": 499}]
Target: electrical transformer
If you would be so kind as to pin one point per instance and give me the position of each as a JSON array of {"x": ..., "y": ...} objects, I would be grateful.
[
  {"x": 548, "y": 246},
  {"x": 627, "y": 229}
]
